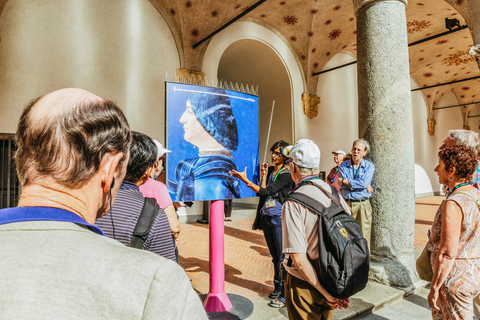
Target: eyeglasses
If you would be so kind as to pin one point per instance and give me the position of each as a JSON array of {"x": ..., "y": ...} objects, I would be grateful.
[
  {"x": 162, "y": 159},
  {"x": 278, "y": 154}
]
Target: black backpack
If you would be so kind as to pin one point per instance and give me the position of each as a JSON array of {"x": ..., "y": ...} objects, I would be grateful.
[{"x": 344, "y": 261}]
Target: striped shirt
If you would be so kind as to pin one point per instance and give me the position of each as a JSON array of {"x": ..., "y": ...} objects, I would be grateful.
[{"x": 125, "y": 212}]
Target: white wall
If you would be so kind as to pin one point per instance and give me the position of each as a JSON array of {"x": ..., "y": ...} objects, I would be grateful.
[
  {"x": 336, "y": 125},
  {"x": 426, "y": 146},
  {"x": 120, "y": 50}
]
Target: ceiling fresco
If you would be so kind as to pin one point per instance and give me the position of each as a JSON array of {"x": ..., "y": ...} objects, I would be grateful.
[{"x": 317, "y": 30}]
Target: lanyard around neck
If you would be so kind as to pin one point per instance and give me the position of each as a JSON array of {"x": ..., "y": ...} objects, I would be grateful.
[
  {"x": 303, "y": 181},
  {"x": 353, "y": 170},
  {"x": 278, "y": 172},
  {"x": 458, "y": 186}
]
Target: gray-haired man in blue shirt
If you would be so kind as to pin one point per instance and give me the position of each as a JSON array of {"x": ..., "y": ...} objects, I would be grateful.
[{"x": 355, "y": 179}]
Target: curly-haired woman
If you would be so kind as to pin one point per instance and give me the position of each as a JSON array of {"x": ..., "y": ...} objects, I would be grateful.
[{"x": 455, "y": 242}]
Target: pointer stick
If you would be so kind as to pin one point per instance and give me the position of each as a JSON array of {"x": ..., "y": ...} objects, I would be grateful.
[{"x": 268, "y": 134}]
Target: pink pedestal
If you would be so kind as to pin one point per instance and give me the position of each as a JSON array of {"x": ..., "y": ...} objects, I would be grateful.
[{"x": 217, "y": 300}]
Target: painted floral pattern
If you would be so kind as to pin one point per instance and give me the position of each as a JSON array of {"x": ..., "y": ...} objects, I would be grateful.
[
  {"x": 415, "y": 26},
  {"x": 291, "y": 20},
  {"x": 458, "y": 58}
]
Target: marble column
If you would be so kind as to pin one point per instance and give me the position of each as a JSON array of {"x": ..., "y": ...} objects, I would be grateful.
[{"x": 385, "y": 121}]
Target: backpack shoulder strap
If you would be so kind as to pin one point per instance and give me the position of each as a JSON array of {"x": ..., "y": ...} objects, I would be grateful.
[
  {"x": 314, "y": 205},
  {"x": 144, "y": 223},
  {"x": 307, "y": 201},
  {"x": 334, "y": 196}
]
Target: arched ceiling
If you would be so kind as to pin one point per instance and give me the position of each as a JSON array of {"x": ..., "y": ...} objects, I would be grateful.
[
  {"x": 249, "y": 59},
  {"x": 319, "y": 29}
]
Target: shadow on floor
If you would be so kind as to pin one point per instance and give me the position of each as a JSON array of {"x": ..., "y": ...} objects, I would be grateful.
[
  {"x": 418, "y": 300},
  {"x": 232, "y": 274},
  {"x": 248, "y": 236},
  {"x": 263, "y": 251}
]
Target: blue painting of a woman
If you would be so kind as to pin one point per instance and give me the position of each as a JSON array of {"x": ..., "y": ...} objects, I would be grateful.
[{"x": 209, "y": 125}]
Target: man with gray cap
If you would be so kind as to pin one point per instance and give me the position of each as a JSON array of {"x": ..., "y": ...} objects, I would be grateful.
[{"x": 305, "y": 297}]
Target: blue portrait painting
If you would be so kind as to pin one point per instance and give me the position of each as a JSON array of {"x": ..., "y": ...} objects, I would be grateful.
[{"x": 210, "y": 132}]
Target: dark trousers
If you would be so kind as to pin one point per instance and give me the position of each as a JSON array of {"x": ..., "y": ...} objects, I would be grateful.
[
  {"x": 227, "y": 207},
  {"x": 272, "y": 230}
]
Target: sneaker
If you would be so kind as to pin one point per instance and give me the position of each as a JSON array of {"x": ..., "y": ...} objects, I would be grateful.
[
  {"x": 277, "y": 303},
  {"x": 274, "y": 295}
]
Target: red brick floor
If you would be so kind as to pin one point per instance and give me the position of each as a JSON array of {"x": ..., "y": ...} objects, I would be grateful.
[{"x": 248, "y": 266}]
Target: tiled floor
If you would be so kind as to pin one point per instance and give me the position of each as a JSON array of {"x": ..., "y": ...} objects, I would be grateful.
[{"x": 248, "y": 267}]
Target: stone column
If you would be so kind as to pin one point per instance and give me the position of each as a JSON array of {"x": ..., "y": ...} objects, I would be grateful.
[{"x": 385, "y": 121}]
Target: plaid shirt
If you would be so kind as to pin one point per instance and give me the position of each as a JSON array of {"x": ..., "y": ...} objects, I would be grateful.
[{"x": 476, "y": 177}]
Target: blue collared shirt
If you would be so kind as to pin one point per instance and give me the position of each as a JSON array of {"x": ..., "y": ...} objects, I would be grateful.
[
  {"x": 359, "y": 182},
  {"x": 22, "y": 214}
]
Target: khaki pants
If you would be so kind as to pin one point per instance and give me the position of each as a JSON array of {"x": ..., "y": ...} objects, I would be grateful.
[
  {"x": 304, "y": 302},
  {"x": 362, "y": 212}
]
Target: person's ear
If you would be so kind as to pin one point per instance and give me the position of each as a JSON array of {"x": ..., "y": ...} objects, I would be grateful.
[
  {"x": 108, "y": 168},
  {"x": 146, "y": 175},
  {"x": 452, "y": 171}
]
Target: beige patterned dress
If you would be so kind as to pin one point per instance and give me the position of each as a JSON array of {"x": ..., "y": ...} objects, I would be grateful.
[{"x": 463, "y": 282}]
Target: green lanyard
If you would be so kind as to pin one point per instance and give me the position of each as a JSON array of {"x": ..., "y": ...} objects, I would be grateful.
[
  {"x": 275, "y": 178},
  {"x": 353, "y": 170},
  {"x": 303, "y": 181},
  {"x": 278, "y": 173}
]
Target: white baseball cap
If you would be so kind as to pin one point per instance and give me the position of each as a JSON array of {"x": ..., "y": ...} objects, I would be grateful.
[
  {"x": 304, "y": 153},
  {"x": 339, "y": 152},
  {"x": 160, "y": 149}
]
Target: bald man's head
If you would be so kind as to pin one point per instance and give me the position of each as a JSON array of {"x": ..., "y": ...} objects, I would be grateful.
[{"x": 65, "y": 134}]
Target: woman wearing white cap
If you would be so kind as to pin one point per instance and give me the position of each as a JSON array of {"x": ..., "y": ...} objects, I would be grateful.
[{"x": 158, "y": 190}]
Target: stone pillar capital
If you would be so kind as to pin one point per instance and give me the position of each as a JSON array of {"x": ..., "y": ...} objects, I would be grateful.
[
  {"x": 431, "y": 126},
  {"x": 190, "y": 76},
  {"x": 357, "y": 4},
  {"x": 310, "y": 104}
]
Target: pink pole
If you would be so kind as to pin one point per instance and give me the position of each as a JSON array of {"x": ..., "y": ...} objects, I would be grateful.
[{"x": 217, "y": 300}]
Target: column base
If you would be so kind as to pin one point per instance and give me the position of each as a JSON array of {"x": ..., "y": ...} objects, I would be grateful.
[
  {"x": 394, "y": 272},
  {"x": 240, "y": 307}
]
